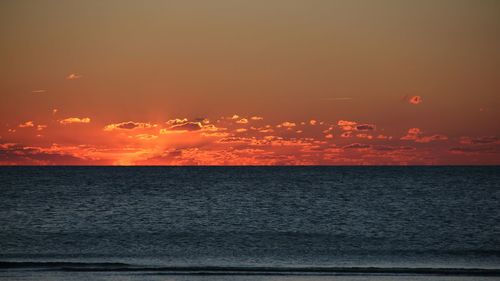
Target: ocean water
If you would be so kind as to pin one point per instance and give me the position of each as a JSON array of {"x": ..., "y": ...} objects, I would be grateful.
[{"x": 249, "y": 223}]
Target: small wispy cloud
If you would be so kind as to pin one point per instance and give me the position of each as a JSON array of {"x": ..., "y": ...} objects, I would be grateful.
[
  {"x": 242, "y": 121},
  {"x": 74, "y": 76},
  {"x": 73, "y": 120},
  {"x": 27, "y": 124},
  {"x": 415, "y": 100},
  {"x": 129, "y": 125},
  {"x": 40, "y": 91}
]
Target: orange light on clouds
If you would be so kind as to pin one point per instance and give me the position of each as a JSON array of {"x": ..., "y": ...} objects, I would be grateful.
[{"x": 282, "y": 83}]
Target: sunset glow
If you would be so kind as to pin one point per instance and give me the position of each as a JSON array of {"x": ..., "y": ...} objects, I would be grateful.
[{"x": 249, "y": 82}]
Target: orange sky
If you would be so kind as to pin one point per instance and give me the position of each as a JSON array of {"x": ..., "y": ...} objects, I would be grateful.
[{"x": 224, "y": 82}]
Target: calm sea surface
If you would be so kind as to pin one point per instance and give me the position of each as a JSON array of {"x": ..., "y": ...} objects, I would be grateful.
[{"x": 249, "y": 223}]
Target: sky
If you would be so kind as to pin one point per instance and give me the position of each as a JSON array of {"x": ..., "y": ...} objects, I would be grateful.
[{"x": 231, "y": 82}]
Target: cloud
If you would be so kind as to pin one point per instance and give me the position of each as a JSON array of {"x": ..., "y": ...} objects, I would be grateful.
[
  {"x": 487, "y": 148},
  {"x": 27, "y": 124},
  {"x": 234, "y": 117},
  {"x": 128, "y": 126},
  {"x": 354, "y": 126},
  {"x": 177, "y": 121},
  {"x": 54, "y": 111},
  {"x": 392, "y": 148},
  {"x": 365, "y": 127},
  {"x": 241, "y": 130},
  {"x": 329, "y": 136},
  {"x": 72, "y": 120},
  {"x": 287, "y": 125},
  {"x": 257, "y": 118},
  {"x": 484, "y": 144},
  {"x": 364, "y": 136},
  {"x": 146, "y": 137},
  {"x": 384, "y": 137},
  {"x": 347, "y": 134},
  {"x": 346, "y": 123},
  {"x": 436, "y": 137},
  {"x": 413, "y": 99},
  {"x": 479, "y": 140},
  {"x": 313, "y": 122},
  {"x": 40, "y": 127},
  {"x": 188, "y": 126},
  {"x": 412, "y": 134},
  {"x": 184, "y": 125},
  {"x": 356, "y": 146},
  {"x": 17, "y": 154},
  {"x": 74, "y": 76},
  {"x": 416, "y": 135},
  {"x": 39, "y": 91},
  {"x": 242, "y": 121}
]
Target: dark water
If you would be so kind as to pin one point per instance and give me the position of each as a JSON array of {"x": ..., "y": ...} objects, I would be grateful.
[{"x": 239, "y": 221}]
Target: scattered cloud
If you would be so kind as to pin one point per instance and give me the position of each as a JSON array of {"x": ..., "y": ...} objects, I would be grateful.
[
  {"x": 177, "y": 121},
  {"x": 257, "y": 118},
  {"x": 346, "y": 125},
  {"x": 484, "y": 144},
  {"x": 40, "y": 127},
  {"x": 436, "y": 137},
  {"x": 146, "y": 137},
  {"x": 130, "y": 125},
  {"x": 287, "y": 125},
  {"x": 384, "y": 137},
  {"x": 412, "y": 134},
  {"x": 188, "y": 126},
  {"x": 27, "y": 124},
  {"x": 242, "y": 121},
  {"x": 39, "y": 91},
  {"x": 476, "y": 149},
  {"x": 356, "y": 146},
  {"x": 413, "y": 99},
  {"x": 347, "y": 134},
  {"x": 365, "y": 127},
  {"x": 479, "y": 140},
  {"x": 416, "y": 135},
  {"x": 313, "y": 122},
  {"x": 73, "y": 120},
  {"x": 74, "y": 76},
  {"x": 354, "y": 126}
]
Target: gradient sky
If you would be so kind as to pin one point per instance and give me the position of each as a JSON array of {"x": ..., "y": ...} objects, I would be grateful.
[{"x": 249, "y": 82}]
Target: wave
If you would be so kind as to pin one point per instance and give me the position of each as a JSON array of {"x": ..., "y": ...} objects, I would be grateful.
[{"x": 229, "y": 270}]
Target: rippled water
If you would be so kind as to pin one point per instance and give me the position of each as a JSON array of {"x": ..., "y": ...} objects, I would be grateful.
[{"x": 333, "y": 217}]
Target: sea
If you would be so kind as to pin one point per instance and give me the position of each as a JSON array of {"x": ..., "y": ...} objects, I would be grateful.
[{"x": 249, "y": 223}]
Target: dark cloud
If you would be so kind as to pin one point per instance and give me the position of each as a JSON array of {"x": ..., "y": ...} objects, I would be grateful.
[
  {"x": 188, "y": 126},
  {"x": 127, "y": 125},
  {"x": 392, "y": 148},
  {"x": 15, "y": 154},
  {"x": 356, "y": 146},
  {"x": 479, "y": 140},
  {"x": 365, "y": 127},
  {"x": 486, "y": 148}
]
